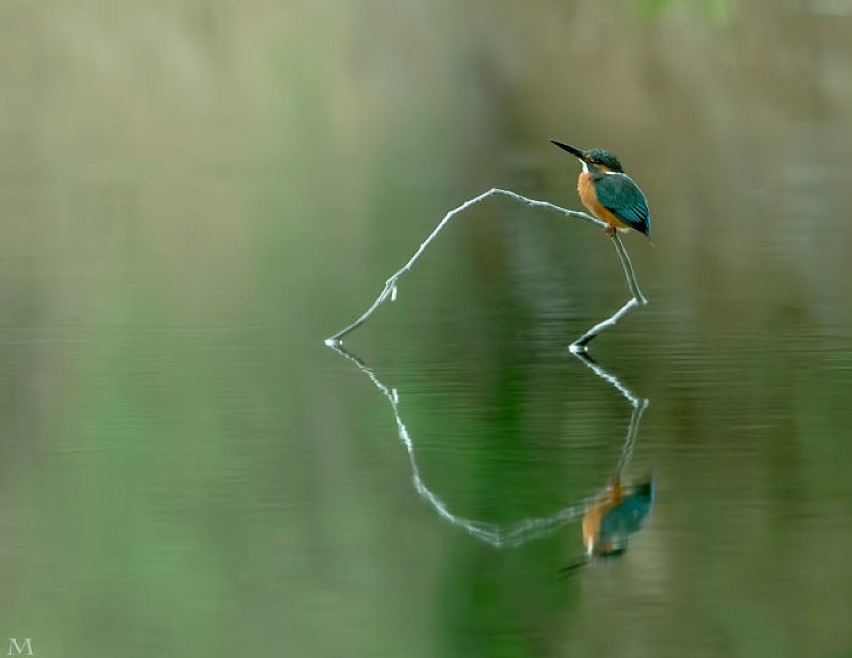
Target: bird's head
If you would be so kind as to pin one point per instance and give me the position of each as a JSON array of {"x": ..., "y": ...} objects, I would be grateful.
[{"x": 595, "y": 158}]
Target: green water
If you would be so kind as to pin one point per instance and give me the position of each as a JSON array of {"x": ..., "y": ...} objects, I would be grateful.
[{"x": 194, "y": 196}]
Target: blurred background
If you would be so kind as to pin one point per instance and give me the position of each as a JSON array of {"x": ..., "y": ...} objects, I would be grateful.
[{"x": 194, "y": 195}]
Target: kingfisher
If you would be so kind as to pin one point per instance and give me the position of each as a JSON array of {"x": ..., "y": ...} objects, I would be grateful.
[{"x": 610, "y": 194}]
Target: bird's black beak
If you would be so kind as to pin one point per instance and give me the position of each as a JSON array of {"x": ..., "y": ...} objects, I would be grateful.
[
  {"x": 572, "y": 150},
  {"x": 568, "y": 570}
]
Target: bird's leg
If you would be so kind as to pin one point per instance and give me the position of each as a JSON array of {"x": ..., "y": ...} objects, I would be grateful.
[{"x": 609, "y": 231}]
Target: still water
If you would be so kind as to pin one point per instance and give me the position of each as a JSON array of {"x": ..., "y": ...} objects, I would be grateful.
[{"x": 194, "y": 197}]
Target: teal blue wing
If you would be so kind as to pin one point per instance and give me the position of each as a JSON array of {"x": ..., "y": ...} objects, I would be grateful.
[{"x": 623, "y": 198}]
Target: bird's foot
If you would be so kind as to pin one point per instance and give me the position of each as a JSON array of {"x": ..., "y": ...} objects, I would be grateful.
[{"x": 609, "y": 231}]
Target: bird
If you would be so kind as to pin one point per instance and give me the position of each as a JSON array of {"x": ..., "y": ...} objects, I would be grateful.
[{"x": 608, "y": 193}]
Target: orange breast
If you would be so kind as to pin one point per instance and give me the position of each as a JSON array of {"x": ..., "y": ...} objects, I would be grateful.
[
  {"x": 586, "y": 189},
  {"x": 591, "y": 526},
  {"x": 592, "y": 519}
]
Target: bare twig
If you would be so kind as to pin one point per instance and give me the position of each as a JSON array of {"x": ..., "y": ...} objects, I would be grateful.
[
  {"x": 580, "y": 345},
  {"x": 520, "y": 532},
  {"x": 628, "y": 271},
  {"x": 390, "y": 288},
  {"x": 637, "y": 299}
]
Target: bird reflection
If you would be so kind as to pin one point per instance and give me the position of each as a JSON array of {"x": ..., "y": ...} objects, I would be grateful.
[
  {"x": 621, "y": 511},
  {"x": 607, "y": 526},
  {"x": 610, "y": 523},
  {"x": 609, "y": 519}
]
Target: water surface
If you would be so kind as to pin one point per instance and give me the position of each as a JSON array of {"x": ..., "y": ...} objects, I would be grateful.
[{"x": 194, "y": 197}]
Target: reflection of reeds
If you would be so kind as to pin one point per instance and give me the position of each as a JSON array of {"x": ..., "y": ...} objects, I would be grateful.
[
  {"x": 580, "y": 345},
  {"x": 512, "y": 534}
]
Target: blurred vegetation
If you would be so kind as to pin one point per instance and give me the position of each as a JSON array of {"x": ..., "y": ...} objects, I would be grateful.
[{"x": 721, "y": 10}]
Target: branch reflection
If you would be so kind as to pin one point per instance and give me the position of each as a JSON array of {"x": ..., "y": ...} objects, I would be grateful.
[
  {"x": 607, "y": 514},
  {"x": 622, "y": 510}
]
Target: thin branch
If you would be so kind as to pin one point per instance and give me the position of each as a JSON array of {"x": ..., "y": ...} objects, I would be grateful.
[
  {"x": 628, "y": 271},
  {"x": 638, "y": 299},
  {"x": 390, "y": 285},
  {"x": 580, "y": 345}
]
